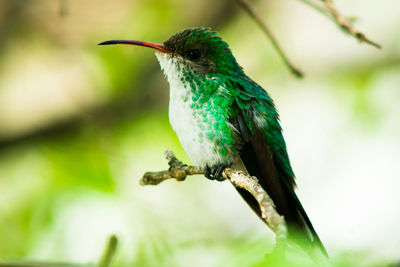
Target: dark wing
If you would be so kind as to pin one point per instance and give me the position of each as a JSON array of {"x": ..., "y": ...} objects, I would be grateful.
[{"x": 264, "y": 155}]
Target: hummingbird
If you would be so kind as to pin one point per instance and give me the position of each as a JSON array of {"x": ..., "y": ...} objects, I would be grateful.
[{"x": 224, "y": 119}]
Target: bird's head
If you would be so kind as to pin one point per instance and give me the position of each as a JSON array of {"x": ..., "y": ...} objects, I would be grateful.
[{"x": 197, "y": 50}]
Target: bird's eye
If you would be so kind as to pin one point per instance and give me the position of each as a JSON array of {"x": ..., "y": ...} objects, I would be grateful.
[{"x": 194, "y": 54}]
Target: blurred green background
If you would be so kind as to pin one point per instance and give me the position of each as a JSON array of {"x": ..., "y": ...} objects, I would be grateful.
[{"x": 80, "y": 124}]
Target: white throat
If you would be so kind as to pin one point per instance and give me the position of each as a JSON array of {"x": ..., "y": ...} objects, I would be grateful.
[{"x": 186, "y": 122}]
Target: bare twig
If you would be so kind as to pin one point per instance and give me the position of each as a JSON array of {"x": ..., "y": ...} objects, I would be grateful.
[
  {"x": 298, "y": 73},
  {"x": 346, "y": 26},
  {"x": 179, "y": 171},
  {"x": 321, "y": 8},
  {"x": 318, "y": 6},
  {"x": 327, "y": 8},
  {"x": 104, "y": 261},
  {"x": 109, "y": 252}
]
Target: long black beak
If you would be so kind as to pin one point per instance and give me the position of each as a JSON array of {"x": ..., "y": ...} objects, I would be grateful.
[{"x": 159, "y": 47}]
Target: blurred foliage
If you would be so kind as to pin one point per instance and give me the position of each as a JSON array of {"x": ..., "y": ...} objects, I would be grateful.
[{"x": 80, "y": 124}]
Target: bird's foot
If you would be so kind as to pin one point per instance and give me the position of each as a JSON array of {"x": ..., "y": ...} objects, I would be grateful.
[{"x": 215, "y": 173}]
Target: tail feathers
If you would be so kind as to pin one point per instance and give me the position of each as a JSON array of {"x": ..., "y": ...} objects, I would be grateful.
[
  {"x": 258, "y": 160},
  {"x": 306, "y": 227}
]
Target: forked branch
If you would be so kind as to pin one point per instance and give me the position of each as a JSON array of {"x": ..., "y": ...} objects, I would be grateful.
[
  {"x": 327, "y": 8},
  {"x": 180, "y": 171}
]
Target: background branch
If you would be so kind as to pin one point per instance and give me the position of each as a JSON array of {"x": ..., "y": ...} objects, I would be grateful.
[
  {"x": 346, "y": 26},
  {"x": 327, "y": 8},
  {"x": 105, "y": 260},
  {"x": 318, "y": 6},
  {"x": 109, "y": 252},
  {"x": 246, "y": 7}
]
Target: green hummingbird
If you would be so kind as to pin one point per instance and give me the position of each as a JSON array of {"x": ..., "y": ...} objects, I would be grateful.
[{"x": 224, "y": 119}]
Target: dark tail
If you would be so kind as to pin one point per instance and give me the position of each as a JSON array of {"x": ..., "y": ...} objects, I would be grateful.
[{"x": 262, "y": 162}]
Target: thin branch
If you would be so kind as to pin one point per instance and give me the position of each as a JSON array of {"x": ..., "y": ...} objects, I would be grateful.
[
  {"x": 346, "y": 26},
  {"x": 327, "y": 8},
  {"x": 318, "y": 7},
  {"x": 109, "y": 252},
  {"x": 321, "y": 8},
  {"x": 180, "y": 171},
  {"x": 105, "y": 260},
  {"x": 298, "y": 73}
]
